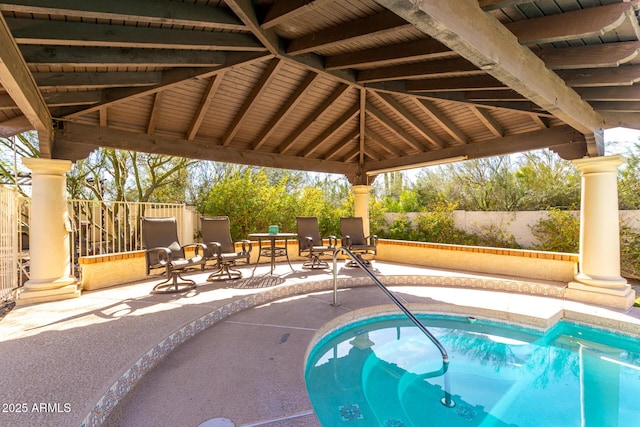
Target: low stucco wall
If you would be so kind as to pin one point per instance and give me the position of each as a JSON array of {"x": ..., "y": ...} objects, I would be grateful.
[
  {"x": 556, "y": 267},
  {"x": 103, "y": 271}
]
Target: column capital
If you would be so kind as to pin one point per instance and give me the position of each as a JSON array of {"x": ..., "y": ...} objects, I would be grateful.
[
  {"x": 41, "y": 166},
  {"x": 361, "y": 189},
  {"x": 600, "y": 164}
]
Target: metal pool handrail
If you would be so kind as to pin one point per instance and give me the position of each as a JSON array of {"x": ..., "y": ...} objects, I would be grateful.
[{"x": 405, "y": 310}]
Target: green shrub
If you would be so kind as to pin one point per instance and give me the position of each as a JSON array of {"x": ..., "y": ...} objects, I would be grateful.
[
  {"x": 560, "y": 232},
  {"x": 629, "y": 252}
]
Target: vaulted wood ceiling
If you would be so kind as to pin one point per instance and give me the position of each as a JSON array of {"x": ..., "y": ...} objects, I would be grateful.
[{"x": 341, "y": 86}]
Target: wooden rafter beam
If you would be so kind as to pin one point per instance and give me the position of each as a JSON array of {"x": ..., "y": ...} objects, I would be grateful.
[
  {"x": 41, "y": 32},
  {"x": 14, "y": 126},
  {"x": 266, "y": 78},
  {"x": 78, "y": 81},
  {"x": 454, "y": 67},
  {"x": 77, "y": 140},
  {"x": 455, "y": 84},
  {"x": 374, "y": 138},
  {"x": 409, "y": 118},
  {"x": 370, "y": 26},
  {"x": 362, "y": 124},
  {"x": 618, "y": 93},
  {"x": 290, "y": 105},
  {"x": 17, "y": 80},
  {"x": 488, "y": 121},
  {"x": 286, "y": 10},
  {"x": 205, "y": 101},
  {"x": 573, "y": 25},
  {"x": 155, "y": 112},
  {"x": 339, "y": 124},
  {"x": 106, "y": 56},
  {"x": 625, "y": 75},
  {"x": 340, "y": 91},
  {"x": 341, "y": 145},
  {"x": 493, "y": 48},
  {"x": 144, "y": 11},
  {"x": 247, "y": 14},
  {"x": 441, "y": 119},
  {"x": 589, "y": 56},
  {"x": 394, "y": 128}
]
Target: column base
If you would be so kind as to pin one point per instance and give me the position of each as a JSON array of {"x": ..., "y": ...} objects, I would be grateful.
[
  {"x": 622, "y": 297},
  {"x": 66, "y": 288}
]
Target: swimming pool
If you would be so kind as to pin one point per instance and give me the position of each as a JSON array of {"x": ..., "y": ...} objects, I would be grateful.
[{"x": 385, "y": 372}]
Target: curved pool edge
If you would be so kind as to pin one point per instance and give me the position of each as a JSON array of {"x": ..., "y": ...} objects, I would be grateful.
[{"x": 130, "y": 377}]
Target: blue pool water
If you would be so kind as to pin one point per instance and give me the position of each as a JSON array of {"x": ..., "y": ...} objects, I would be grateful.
[{"x": 385, "y": 372}]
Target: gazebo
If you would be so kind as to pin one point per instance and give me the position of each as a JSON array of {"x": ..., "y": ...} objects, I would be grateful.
[{"x": 356, "y": 87}]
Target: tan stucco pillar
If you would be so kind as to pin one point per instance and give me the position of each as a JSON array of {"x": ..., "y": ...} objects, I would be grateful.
[
  {"x": 49, "y": 246},
  {"x": 599, "y": 280},
  {"x": 361, "y": 205}
]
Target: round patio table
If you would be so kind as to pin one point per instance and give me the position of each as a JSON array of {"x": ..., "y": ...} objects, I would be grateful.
[{"x": 268, "y": 246}]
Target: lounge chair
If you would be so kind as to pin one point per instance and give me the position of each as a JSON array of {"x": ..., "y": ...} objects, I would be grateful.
[
  {"x": 163, "y": 250},
  {"x": 216, "y": 234},
  {"x": 353, "y": 238},
  {"x": 311, "y": 245}
]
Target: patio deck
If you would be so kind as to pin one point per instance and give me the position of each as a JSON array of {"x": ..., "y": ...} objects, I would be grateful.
[{"x": 242, "y": 359}]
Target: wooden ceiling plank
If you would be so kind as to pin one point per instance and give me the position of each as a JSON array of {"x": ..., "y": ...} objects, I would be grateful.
[
  {"x": 41, "y": 32},
  {"x": 589, "y": 56},
  {"x": 395, "y": 128},
  {"x": 17, "y": 81},
  {"x": 554, "y": 136},
  {"x": 285, "y": 10},
  {"x": 75, "y": 137},
  {"x": 335, "y": 127},
  {"x": 442, "y": 120},
  {"x": 322, "y": 108},
  {"x": 290, "y": 105},
  {"x": 373, "y": 137},
  {"x": 386, "y": 55},
  {"x": 454, "y": 67},
  {"x": 351, "y": 155},
  {"x": 78, "y": 81},
  {"x": 266, "y": 78},
  {"x": 364, "y": 28},
  {"x": 142, "y": 11},
  {"x": 205, "y": 101},
  {"x": 79, "y": 56},
  {"x": 405, "y": 115},
  {"x": 171, "y": 78},
  {"x": 625, "y": 75},
  {"x": 340, "y": 145},
  {"x": 490, "y": 123},
  {"x": 493, "y": 48},
  {"x": 573, "y": 25},
  {"x": 245, "y": 11}
]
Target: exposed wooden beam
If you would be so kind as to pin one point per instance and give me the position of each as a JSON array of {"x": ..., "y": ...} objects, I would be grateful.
[
  {"x": 205, "y": 101},
  {"x": 490, "y": 123},
  {"x": 104, "y": 117},
  {"x": 341, "y": 145},
  {"x": 394, "y": 128},
  {"x": 80, "y": 56},
  {"x": 493, "y": 48},
  {"x": 500, "y": 4},
  {"x": 617, "y": 93},
  {"x": 387, "y": 55},
  {"x": 143, "y": 11},
  {"x": 625, "y": 75},
  {"x": 77, "y": 139},
  {"x": 621, "y": 106},
  {"x": 589, "y": 56},
  {"x": 452, "y": 84},
  {"x": 266, "y": 78},
  {"x": 454, "y": 67},
  {"x": 15, "y": 126},
  {"x": 17, "y": 80},
  {"x": 362, "y": 124},
  {"x": 370, "y": 26},
  {"x": 77, "y": 81},
  {"x": 290, "y": 105},
  {"x": 441, "y": 119},
  {"x": 319, "y": 111},
  {"x": 245, "y": 11},
  {"x": 285, "y": 10},
  {"x": 374, "y": 138},
  {"x": 413, "y": 122},
  {"x": 573, "y": 25},
  {"x": 335, "y": 127},
  {"x": 621, "y": 119},
  {"x": 555, "y": 136},
  {"x": 41, "y": 32},
  {"x": 155, "y": 111},
  {"x": 494, "y": 95}
]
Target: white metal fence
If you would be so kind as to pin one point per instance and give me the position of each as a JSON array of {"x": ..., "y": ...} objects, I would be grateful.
[{"x": 10, "y": 270}]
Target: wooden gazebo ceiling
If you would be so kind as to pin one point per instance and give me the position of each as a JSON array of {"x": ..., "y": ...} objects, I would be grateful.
[{"x": 342, "y": 86}]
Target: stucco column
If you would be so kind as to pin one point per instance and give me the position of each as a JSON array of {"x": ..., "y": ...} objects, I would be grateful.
[
  {"x": 598, "y": 280},
  {"x": 49, "y": 247},
  {"x": 361, "y": 205}
]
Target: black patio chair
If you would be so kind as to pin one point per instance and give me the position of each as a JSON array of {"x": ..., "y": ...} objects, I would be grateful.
[
  {"x": 353, "y": 238},
  {"x": 216, "y": 234},
  {"x": 311, "y": 245},
  {"x": 163, "y": 250}
]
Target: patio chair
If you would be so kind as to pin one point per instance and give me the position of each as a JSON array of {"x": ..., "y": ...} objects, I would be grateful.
[
  {"x": 163, "y": 250},
  {"x": 310, "y": 244},
  {"x": 353, "y": 238},
  {"x": 216, "y": 234}
]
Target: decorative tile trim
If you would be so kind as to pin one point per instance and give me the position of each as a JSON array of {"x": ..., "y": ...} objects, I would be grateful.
[{"x": 151, "y": 358}]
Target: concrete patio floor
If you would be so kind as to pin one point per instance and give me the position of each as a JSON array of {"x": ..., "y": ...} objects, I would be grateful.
[{"x": 231, "y": 349}]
